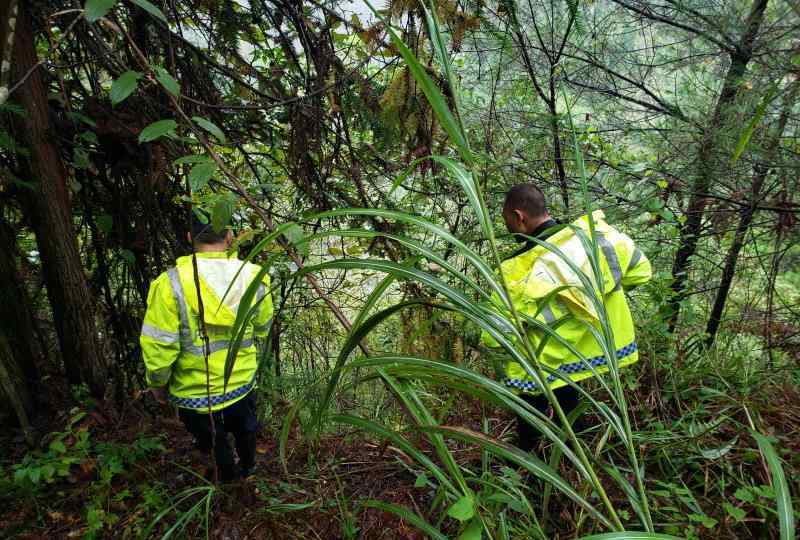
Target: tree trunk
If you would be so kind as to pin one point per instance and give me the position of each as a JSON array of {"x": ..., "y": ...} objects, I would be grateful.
[
  {"x": 49, "y": 210},
  {"x": 16, "y": 317},
  {"x": 690, "y": 232},
  {"x": 14, "y": 387},
  {"x": 746, "y": 214}
]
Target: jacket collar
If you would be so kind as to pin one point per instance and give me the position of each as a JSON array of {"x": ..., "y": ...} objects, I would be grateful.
[
  {"x": 214, "y": 255},
  {"x": 542, "y": 232}
]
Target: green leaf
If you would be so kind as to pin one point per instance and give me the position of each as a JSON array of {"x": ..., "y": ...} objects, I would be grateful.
[
  {"x": 295, "y": 235},
  {"x": 167, "y": 81},
  {"x": 463, "y": 509},
  {"x": 747, "y": 134},
  {"x": 19, "y": 475},
  {"x": 78, "y": 117},
  {"x": 200, "y": 216},
  {"x": 704, "y": 520},
  {"x": 211, "y": 127},
  {"x": 34, "y": 474},
  {"x": 80, "y": 158},
  {"x": 94, "y": 9},
  {"x": 422, "y": 480},
  {"x": 58, "y": 447},
  {"x": 129, "y": 257},
  {"x": 201, "y": 174},
  {"x": 157, "y": 130},
  {"x": 151, "y": 9},
  {"x": 473, "y": 531},
  {"x": 124, "y": 86},
  {"x": 782, "y": 494},
  {"x": 221, "y": 214},
  {"x": 48, "y": 471},
  {"x": 90, "y": 137},
  {"x": 734, "y": 511},
  {"x": 745, "y": 494},
  {"x": 185, "y": 160},
  {"x": 524, "y": 459}
]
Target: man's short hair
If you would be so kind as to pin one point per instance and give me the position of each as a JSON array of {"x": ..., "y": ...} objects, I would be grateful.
[
  {"x": 528, "y": 198},
  {"x": 202, "y": 230}
]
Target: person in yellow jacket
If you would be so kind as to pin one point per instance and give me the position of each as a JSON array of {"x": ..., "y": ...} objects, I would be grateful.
[
  {"x": 173, "y": 348},
  {"x": 543, "y": 286}
]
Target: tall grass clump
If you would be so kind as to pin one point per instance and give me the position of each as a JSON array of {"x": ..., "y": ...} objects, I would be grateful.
[{"x": 483, "y": 503}]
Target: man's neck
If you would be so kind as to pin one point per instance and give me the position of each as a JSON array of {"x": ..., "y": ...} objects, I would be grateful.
[
  {"x": 211, "y": 248},
  {"x": 538, "y": 223}
]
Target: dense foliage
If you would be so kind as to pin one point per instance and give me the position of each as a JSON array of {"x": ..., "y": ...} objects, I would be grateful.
[{"x": 363, "y": 152}]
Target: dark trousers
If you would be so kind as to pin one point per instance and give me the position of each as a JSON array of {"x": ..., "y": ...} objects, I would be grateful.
[
  {"x": 238, "y": 419},
  {"x": 529, "y": 436}
]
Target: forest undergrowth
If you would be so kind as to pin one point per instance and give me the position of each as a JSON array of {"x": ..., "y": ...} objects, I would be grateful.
[{"x": 112, "y": 476}]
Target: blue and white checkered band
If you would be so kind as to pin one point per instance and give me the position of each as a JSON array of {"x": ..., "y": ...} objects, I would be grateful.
[
  {"x": 202, "y": 402},
  {"x": 573, "y": 368}
]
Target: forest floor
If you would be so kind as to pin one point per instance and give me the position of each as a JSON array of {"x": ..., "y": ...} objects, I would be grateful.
[
  {"x": 111, "y": 475},
  {"x": 113, "y": 491}
]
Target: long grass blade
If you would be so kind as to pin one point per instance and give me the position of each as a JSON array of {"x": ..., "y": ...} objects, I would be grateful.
[
  {"x": 525, "y": 460},
  {"x": 781, "y": 487},
  {"x": 399, "y": 441},
  {"x": 629, "y": 535},
  {"x": 409, "y": 516}
]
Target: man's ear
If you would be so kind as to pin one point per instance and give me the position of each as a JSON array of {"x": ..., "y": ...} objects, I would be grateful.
[
  {"x": 520, "y": 215},
  {"x": 189, "y": 238},
  {"x": 229, "y": 237}
]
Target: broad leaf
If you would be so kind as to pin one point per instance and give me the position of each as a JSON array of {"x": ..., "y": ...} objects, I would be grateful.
[
  {"x": 151, "y": 9},
  {"x": 124, "y": 86},
  {"x": 157, "y": 130},
  {"x": 221, "y": 214},
  {"x": 211, "y": 127},
  {"x": 95, "y": 9},
  {"x": 201, "y": 174},
  {"x": 105, "y": 223},
  {"x": 473, "y": 531},
  {"x": 463, "y": 509},
  {"x": 192, "y": 159},
  {"x": 167, "y": 81}
]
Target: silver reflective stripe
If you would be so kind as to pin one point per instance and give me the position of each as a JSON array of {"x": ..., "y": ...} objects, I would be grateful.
[
  {"x": 637, "y": 254},
  {"x": 164, "y": 336},
  {"x": 263, "y": 328},
  {"x": 611, "y": 257},
  {"x": 180, "y": 299},
  {"x": 160, "y": 377},
  {"x": 214, "y": 346},
  {"x": 547, "y": 313},
  {"x": 187, "y": 343},
  {"x": 261, "y": 292}
]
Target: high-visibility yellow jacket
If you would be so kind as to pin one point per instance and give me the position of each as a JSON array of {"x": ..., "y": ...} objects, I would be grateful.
[
  {"x": 534, "y": 274},
  {"x": 171, "y": 337}
]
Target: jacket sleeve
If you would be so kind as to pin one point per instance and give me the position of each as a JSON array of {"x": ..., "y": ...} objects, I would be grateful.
[
  {"x": 636, "y": 268},
  {"x": 160, "y": 338},
  {"x": 262, "y": 320}
]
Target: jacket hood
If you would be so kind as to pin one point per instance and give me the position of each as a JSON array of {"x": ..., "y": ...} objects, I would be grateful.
[
  {"x": 539, "y": 272},
  {"x": 223, "y": 283}
]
